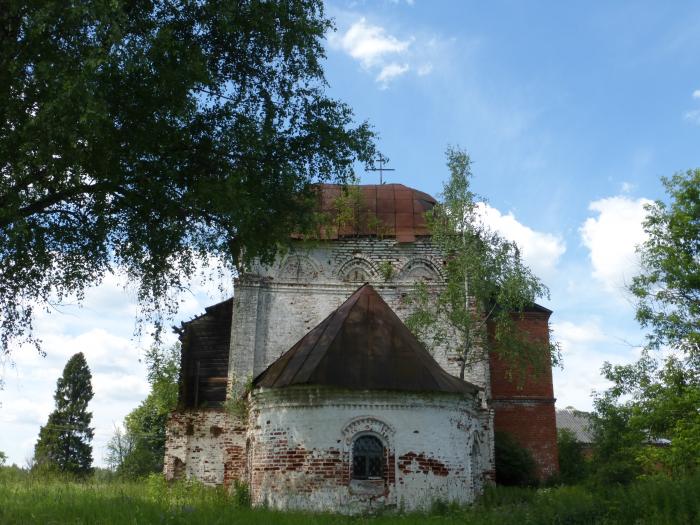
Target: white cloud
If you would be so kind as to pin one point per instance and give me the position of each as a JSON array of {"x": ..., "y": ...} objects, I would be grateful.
[
  {"x": 390, "y": 71},
  {"x": 383, "y": 54},
  {"x": 120, "y": 386},
  {"x": 612, "y": 237},
  {"x": 626, "y": 187},
  {"x": 25, "y": 412},
  {"x": 572, "y": 335},
  {"x": 102, "y": 329},
  {"x": 580, "y": 376},
  {"x": 370, "y": 44},
  {"x": 586, "y": 345},
  {"x": 541, "y": 251},
  {"x": 693, "y": 116}
]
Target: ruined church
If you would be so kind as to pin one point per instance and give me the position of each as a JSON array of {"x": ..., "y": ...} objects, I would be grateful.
[{"x": 307, "y": 385}]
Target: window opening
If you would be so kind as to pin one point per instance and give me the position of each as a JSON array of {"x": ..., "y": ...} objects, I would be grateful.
[
  {"x": 357, "y": 275},
  {"x": 367, "y": 458}
]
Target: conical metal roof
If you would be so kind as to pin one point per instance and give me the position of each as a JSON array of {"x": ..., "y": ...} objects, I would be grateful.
[{"x": 362, "y": 345}]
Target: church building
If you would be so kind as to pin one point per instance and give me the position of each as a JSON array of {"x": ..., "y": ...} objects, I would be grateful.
[{"x": 307, "y": 386}]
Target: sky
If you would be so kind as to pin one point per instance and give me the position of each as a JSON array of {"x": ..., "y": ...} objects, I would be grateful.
[{"x": 571, "y": 113}]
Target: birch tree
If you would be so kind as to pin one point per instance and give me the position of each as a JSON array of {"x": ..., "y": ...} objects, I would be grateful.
[{"x": 487, "y": 286}]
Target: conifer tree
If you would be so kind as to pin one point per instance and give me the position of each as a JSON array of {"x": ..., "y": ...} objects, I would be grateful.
[{"x": 64, "y": 442}]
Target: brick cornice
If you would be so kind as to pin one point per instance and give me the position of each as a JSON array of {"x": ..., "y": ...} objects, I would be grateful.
[{"x": 523, "y": 400}]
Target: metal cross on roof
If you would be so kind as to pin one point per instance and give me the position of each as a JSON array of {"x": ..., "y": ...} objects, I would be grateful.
[{"x": 382, "y": 161}]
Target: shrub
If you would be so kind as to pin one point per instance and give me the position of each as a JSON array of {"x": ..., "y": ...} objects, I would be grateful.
[
  {"x": 515, "y": 465},
  {"x": 573, "y": 467}
]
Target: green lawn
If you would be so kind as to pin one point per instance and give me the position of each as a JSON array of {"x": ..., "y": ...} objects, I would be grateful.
[{"x": 26, "y": 499}]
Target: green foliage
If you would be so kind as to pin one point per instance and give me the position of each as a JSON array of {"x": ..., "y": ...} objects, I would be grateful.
[
  {"x": 139, "y": 449},
  {"x": 241, "y": 494},
  {"x": 3, "y": 458},
  {"x": 238, "y": 404},
  {"x": 347, "y": 207},
  {"x": 386, "y": 269},
  {"x": 441, "y": 507},
  {"x": 28, "y": 499},
  {"x": 183, "y": 492},
  {"x": 64, "y": 442},
  {"x": 648, "y": 422},
  {"x": 668, "y": 288},
  {"x": 616, "y": 444},
  {"x": 515, "y": 465},
  {"x": 153, "y": 137},
  {"x": 573, "y": 466},
  {"x": 351, "y": 212},
  {"x": 486, "y": 283}
]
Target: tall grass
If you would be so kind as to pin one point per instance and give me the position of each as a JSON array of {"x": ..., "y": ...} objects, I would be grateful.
[{"x": 27, "y": 499}]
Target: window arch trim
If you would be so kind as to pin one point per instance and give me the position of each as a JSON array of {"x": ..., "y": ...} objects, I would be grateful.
[
  {"x": 357, "y": 263},
  {"x": 371, "y": 425}
]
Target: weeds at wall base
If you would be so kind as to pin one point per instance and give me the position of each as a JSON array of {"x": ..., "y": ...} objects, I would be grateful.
[{"x": 27, "y": 498}]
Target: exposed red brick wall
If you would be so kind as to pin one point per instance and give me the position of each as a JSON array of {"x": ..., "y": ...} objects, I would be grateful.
[
  {"x": 536, "y": 326},
  {"x": 411, "y": 462},
  {"x": 208, "y": 440},
  {"x": 532, "y": 425},
  {"x": 317, "y": 468},
  {"x": 524, "y": 407}
]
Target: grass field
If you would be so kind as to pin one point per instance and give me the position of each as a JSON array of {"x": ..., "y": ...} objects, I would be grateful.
[{"x": 27, "y": 499}]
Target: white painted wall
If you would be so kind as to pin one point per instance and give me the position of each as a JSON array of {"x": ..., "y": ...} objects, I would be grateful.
[{"x": 322, "y": 423}]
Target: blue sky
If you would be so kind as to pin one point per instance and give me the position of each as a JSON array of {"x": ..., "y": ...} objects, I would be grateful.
[{"x": 571, "y": 113}]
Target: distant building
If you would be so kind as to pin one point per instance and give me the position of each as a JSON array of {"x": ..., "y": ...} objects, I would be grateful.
[{"x": 579, "y": 424}]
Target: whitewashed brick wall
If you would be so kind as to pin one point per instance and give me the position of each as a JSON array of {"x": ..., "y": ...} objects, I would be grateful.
[{"x": 301, "y": 446}]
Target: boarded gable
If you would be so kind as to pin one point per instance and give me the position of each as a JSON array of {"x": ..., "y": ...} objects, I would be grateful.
[{"x": 205, "y": 347}]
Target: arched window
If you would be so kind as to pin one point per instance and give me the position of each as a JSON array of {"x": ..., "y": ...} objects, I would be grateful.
[
  {"x": 357, "y": 270},
  {"x": 357, "y": 275},
  {"x": 367, "y": 458}
]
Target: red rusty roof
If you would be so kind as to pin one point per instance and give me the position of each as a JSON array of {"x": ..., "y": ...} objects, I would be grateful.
[
  {"x": 387, "y": 210},
  {"x": 362, "y": 345}
]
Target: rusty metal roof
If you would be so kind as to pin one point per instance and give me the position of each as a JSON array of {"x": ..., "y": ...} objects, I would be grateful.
[
  {"x": 362, "y": 345},
  {"x": 387, "y": 210}
]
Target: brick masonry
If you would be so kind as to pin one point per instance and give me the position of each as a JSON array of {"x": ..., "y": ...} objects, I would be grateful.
[
  {"x": 276, "y": 306},
  {"x": 208, "y": 445},
  {"x": 301, "y": 443},
  {"x": 299, "y": 461},
  {"x": 525, "y": 409}
]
